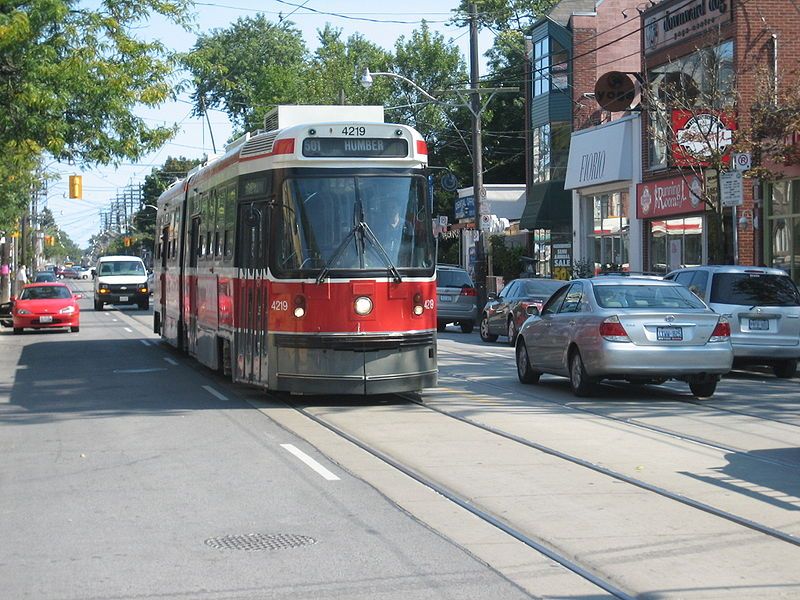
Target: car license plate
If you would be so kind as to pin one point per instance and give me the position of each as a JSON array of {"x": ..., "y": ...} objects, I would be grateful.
[
  {"x": 669, "y": 334},
  {"x": 759, "y": 325},
  {"x": 445, "y": 298},
  {"x": 123, "y": 298},
  {"x": 46, "y": 319}
]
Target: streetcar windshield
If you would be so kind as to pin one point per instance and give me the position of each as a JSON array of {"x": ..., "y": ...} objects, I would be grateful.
[{"x": 371, "y": 223}]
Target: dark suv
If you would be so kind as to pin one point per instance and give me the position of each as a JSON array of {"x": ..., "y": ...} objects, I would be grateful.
[
  {"x": 457, "y": 298},
  {"x": 762, "y": 305}
]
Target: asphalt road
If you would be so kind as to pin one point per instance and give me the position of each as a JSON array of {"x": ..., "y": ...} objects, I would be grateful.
[{"x": 128, "y": 472}]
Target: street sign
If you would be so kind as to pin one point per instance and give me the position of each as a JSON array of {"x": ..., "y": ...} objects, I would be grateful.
[
  {"x": 449, "y": 182},
  {"x": 486, "y": 222},
  {"x": 742, "y": 161},
  {"x": 731, "y": 190}
]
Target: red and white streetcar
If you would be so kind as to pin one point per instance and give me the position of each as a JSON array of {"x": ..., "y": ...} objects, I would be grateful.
[{"x": 303, "y": 259}]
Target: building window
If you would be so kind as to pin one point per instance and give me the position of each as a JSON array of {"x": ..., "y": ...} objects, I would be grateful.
[
  {"x": 550, "y": 151},
  {"x": 608, "y": 241},
  {"x": 550, "y": 67},
  {"x": 703, "y": 79},
  {"x": 675, "y": 243},
  {"x": 783, "y": 227},
  {"x": 541, "y": 153}
]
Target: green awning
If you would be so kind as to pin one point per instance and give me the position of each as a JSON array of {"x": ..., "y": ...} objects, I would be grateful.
[{"x": 549, "y": 206}]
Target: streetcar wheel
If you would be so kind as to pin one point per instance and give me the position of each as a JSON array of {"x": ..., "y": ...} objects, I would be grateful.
[
  {"x": 484, "y": 330},
  {"x": 524, "y": 371},
  {"x": 580, "y": 382}
]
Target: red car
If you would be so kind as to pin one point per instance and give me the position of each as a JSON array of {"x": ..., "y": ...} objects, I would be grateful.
[{"x": 44, "y": 306}]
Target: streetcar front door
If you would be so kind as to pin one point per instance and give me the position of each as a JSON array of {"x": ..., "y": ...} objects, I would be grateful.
[
  {"x": 191, "y": 279},
  {"x": 251, "y": 331}
]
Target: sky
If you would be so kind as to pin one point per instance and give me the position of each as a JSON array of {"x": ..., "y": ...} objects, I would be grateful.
[{"x": 385, "y": 22}]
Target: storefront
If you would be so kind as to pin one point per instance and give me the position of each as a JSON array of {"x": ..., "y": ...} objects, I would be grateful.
[
  {"x": 671, "y": 213},
  {"x": 603, "y": 169},
  {"x": 782, "y": 233}
]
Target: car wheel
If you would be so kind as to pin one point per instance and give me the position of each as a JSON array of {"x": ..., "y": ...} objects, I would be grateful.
[
  {"x": 484, "y": 329},
  {"x": 17, "y": 330},
  {"x": 75, "y": 329},
  {"x": 785, "y": 369},
  {"x": 704, "y": 388},
  {"x": 467, "y": 326},
  {"x": 512, "y": 332},
  {"x": 144, "y": 305},
  {"x": 98, "y": 305},
  {"x": 440, "y": 326},
  {"x": 580, "y": 382},
  {"x": 524, "y": 371}
]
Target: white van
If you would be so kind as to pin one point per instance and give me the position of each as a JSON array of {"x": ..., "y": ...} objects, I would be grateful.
[{"x": 121, "y": 280}]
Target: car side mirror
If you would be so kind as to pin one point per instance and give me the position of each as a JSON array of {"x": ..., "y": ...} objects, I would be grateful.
[
  {"x": 78, "y": 296},
  {"x": 491, "y": 296},
  {"x": 531, "y": 310},
  {"x": 12, "y": 299}
]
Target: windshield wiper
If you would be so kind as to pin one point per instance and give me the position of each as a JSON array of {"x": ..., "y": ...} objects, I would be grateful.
[
  {"x": 381, "y": 252},
  {"x": 338, "y": 253}
]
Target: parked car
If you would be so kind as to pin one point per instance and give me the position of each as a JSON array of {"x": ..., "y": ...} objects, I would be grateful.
[
  {"x": 69, "y": 273},
  {"x": 626, "y": 328},
  {"x": 46, "y": 306},
  {"x": 763, "y": 306},
  {"x": 456, "y": 298},
  {"x": 505, "y": 312},
  {"x": 5, "y": 314},
  {"x": 44, "y": 277}
]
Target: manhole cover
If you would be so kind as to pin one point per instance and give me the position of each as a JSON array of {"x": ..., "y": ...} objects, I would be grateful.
[{"x": 256, "y": 542}]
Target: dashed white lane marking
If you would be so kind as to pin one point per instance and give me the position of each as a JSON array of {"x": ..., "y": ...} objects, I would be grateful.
[
  {"x": 128, "y": 329},
  {"x": 174, "y": 363},
  {"x": 215, "y": 393},
  {"x": 145, "y": 342},
  {"x": 139, "y": 370},
  {"x": 310, "y": 462}
]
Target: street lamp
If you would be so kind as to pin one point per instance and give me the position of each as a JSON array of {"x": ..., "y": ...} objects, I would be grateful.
[{"x": 476, "y": 108}]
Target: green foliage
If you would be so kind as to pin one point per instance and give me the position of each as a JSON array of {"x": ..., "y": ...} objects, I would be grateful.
[
  {"x": 505, "y": 260},
  {"x": 248, "y": 68},
  {"x": 69, "y": 79}
]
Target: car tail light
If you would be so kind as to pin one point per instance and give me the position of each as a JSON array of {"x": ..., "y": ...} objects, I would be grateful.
[
  {"x": 612, "y": 330},
  {"x": 468, "y": 291},
  {"x": 722, "y": 332}
]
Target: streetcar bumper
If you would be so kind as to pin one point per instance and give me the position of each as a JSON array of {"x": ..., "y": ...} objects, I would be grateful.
[{"x": 354, "y": 366}]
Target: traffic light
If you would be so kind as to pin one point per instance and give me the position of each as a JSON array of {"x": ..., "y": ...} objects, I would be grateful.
[
  {"x": 75, "y": 186},
  {"x": 127, "y": 241}
]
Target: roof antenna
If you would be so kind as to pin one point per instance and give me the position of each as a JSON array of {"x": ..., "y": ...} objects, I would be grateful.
[{"x": 211, "y": 133}]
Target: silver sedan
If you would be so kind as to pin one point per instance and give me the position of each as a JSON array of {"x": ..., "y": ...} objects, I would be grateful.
[{"x": 639, "y": 330}]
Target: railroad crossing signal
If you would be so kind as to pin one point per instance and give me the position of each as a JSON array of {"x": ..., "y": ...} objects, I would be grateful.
[{"x": 76, "y": 186}]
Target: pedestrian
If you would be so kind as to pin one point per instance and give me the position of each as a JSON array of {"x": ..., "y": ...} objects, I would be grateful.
[{"x": 22, "y": 279}]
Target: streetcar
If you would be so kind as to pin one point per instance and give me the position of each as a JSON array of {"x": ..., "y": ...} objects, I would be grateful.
[{"x": 302, "y": 260}]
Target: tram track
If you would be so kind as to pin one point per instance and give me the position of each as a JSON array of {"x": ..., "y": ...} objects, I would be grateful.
[
  {"x": 527, "y": 392},
  {"x": 598, "y": 578}
]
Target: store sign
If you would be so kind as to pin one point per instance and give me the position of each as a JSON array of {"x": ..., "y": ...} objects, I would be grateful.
[
  {"x": 600, "y": 155},
  {"x": 674, "y": 196},
  {"x": 699, "y": 136},
  {"x": 680, "y": 20}
]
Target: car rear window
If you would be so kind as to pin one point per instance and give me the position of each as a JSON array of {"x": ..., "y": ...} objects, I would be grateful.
[
  {"x": 646, "y": 296},
  {"x": 45, "y": 292},
  {"x": 540, "y": 287},
  {"x": 456, "y": 279},
  {"x": 754, "y": 289}
]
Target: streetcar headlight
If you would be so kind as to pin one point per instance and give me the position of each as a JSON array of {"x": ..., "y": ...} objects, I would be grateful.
[
  {"x": 299, "y": 306},
  {"x": 418, "y": 307},
  {"x": 363, "y": 305}
]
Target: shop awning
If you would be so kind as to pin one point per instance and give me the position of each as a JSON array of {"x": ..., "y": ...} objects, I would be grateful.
[{"x": 548, "y": 207}]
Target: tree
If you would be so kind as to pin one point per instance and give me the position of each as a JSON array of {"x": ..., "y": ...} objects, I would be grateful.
[
  {"x": 70, "y": 77},
  {"x": 248, "y": 68}
]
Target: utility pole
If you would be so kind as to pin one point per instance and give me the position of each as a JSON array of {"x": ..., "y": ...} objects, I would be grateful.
[{"x": 477, "y": 154}]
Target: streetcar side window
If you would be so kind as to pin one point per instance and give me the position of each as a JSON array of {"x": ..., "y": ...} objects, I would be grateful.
[
  {"x": 252, "y": 236},
  {"x": 230, "y": 219}
]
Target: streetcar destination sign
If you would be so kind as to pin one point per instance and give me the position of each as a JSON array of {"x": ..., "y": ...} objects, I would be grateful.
[{"x": 359, "y": 147}]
